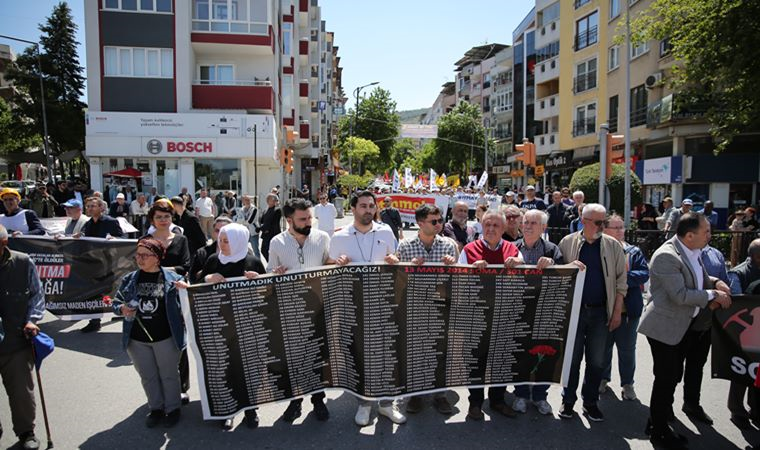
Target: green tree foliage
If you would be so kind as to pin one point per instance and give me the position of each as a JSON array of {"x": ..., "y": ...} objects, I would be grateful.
[
  {"x": 361, "y": 152},
  {"x": 421, "y": 160},
  {"x": 14, "y": 138},
  {"x": 718, "y": 56},
  {"x": 64, "y": 85},
  {"x": 586, "y": 179},
  {"x": 402, "y": 150},
  {"x": 353, "y": 181},
  {"x": 460, "y": 136}
]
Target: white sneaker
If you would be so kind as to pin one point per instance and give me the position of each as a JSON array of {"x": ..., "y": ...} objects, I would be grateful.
[
  {"x": 362, "y": 415},
  {"x": 392, "y": 413},
  {"x": 603, "y": 386},
  {"x": 543, "y": 407},
  {"x": 520, "y": 405},
  {"x": 628, "y": 392}
]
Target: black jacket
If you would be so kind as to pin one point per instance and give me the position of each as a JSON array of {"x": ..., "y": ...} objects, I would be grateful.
[
  {"x": 557, "y": 216},
  {"x": 270, "y": 223},
  {"x": 192, "y": 231},
  {"x": 104, "y": 226}
]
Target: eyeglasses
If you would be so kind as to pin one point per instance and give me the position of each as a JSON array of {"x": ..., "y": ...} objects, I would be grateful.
[
  {"x": 598, "y": 223},
  {"x": 300, "y": 254},
  {"x": 512, "y": 217},
  {"x": 435, "y": 222},
  {"x": 139, "y": 255}
]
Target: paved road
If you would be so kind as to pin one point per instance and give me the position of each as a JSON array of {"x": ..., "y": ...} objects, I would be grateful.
[{"x": 95, "y": 401}]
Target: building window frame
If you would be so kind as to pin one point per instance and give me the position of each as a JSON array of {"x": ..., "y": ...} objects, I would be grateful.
[
  {"x": 156, "y": 62},
  {"x": 585, "y": 120},
  {"x": 218, "y": 76},
  {"x": 639, "y": 50},
  {"x": 140, "y": 6},
  {"x": 613, "y": 58},
  {"x": 637, "y": 108},
  {"x": 586, "y": 78},
  {"x": 214, "y": 16},
  {"x": 587, "y": 31},
  {"x": 612, "y": 112},
  {"x": 615, "y": 9}
]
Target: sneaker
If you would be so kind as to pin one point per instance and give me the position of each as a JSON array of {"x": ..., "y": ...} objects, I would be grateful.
[
  {"x": 172, "y": 418},
  {"x": 251, "y": 418},
  {"x": 185, "y": 398},
  {"x": 628, "y": 392},
  {"x": 415, "y": 404},
  {"x": 392, "y": 413},
  {"x": 154, "y": 418},
  {"x": 28, "y": 441},
  {"x": 442, "y": 405},
  {"x": 603, "y": 386},
  {"x": 520, "y": 405},
  {"x": 320, "y": 410},
  {"x": 362, "y": 415},
  {"x": 566, "y": 412},
  {"x": 543, "y": 407},
  {"x": 92, "y": 326},
  {"x": 226, "y": 424},
  {"x": 475, "y": 412},
  {"x": 292, "y": 412},
  {"x": 593, "y": 413}
]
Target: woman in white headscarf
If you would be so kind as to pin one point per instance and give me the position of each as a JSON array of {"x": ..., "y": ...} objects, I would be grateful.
[{"x": 233, "y": 259}]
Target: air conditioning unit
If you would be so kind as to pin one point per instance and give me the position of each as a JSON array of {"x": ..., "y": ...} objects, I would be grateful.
[{"x": 653, "y": 80}]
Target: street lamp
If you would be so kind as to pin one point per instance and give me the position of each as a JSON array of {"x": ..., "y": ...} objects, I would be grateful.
[
  {"x": 357, "y": 91},
  {"x": 42, "y": 98}
]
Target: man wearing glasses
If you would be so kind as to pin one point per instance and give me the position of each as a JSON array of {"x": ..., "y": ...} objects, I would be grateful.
[
  {"x": 606, "y": 285},
  {"x": 325, "y": 213},
  {"x": 428, "y": 247},
  {"x": 513, "y": 216},
  {"x": 298, "y": 248}
]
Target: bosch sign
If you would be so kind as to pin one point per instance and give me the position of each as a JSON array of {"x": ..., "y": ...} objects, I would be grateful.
[
  {"x": 154, "y": 146},
  {"x": 189, "y": 147}
]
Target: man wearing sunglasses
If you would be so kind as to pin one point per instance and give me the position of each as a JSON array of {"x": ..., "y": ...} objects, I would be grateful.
[
  {"x": 605, "y": 287},
  {"x": 298, "y": 248},
  {"x": 428, "y": 247}
]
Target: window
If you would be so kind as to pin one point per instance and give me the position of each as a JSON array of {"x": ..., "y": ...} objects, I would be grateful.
[
  {"x": 613, "y": 119},
  {"x": 614, "y": 8},
  {"x": 638, "y": 108},
  {"x": 231, "y": 16},
  {"x": 585, "y": 75},
  {"x": 638, "y": 50},
  {"x": 585, "y": 120},
  {"x": 614, "y": 58},
  {"x": 287, "y": 38},
  {"x": 486, "y": 81},
  {"x": 547, "y": 52},
  {"x": 665, "y": 47},
  {"x": 287, "y": 92},
  {"x": 502, "y": 101},
  {"x": 586, "y": 31},
  {"x": 138, "y": 62},
  {"x": 548, "y": 14},
  {"x": 163, "y": 6},
  {"x": 579, "y": 3},
  {"x": 217, "y": 74}
]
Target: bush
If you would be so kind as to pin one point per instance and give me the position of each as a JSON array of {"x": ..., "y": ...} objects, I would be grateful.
[{"x": 586, "y": 179}]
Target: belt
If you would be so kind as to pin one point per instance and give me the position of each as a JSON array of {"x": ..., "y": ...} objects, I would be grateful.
[{"x": 587, "y": 306}]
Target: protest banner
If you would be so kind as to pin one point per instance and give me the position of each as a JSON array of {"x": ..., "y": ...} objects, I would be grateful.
[
  {"x": 77, "y": 273},
  {"x": 736, "y": 340},
  {"x": 379, "y": 331},
  {"x": 407, "y": 203}
]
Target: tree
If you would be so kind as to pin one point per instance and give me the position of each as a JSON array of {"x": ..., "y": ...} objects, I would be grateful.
[
  {"x": 421, "y": 160},
  {"x": 459, "y": 145},
  {"x": 586, "y": 179},
  {"x": 64, "y": 85},
  {"x": 378, "y": 122},
  {"x": 718, "y": 60},
  {"x": 403, "y": 149},
  {"x": 360, "y": 152},
  {"x": 12, "y": 137}
]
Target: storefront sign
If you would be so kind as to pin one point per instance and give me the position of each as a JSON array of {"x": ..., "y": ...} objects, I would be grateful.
[
  {"x": 558, "y": 162},
  {"x": 660, "y": 170},
  {"x": 178, "y": 147},
  {"x": 539, "y": 171}
]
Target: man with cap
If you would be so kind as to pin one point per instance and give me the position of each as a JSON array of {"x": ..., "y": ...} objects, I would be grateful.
[
  {"x": 509, "y": 199},
  {"x": 675, "y": 216},
  {"x": 18, "y": 221},
  {"x": 42, "y": 202},
  {"x": 22, "y": 304},
  {"x": 76, "y": 219},
  {"x": 119, "y": 208},
  {"x": 531, "y": 202}
]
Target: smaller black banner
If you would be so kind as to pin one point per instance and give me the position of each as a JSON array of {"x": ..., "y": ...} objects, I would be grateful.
[{"x": 736, "y": 340}]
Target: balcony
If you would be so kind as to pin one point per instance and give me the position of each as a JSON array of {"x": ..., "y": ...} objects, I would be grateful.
[
  {"x": 547, "y": 33},
  {"x": 584, "y": 126},
  {"x": 584, "y": 82},
  {"x": 502, "y": 109},
  {"x": 247, "y": 95},
  {"x": 547, "y": 70},
  {"x": 671, "y": 110},
  {"x": 547, "y": 143},
  {"x": 547, "y": 107},
  {"x": 586, "y": 38},
  {"x": 234, "y": 32},
  {"x": 303, "y": 6},
  {"x": 501, "y": 133},
  {"x": 303, "y": 129},
  {"x": 639, "y": 116}
]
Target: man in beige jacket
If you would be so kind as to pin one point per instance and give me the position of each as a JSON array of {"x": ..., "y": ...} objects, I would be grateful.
[{"x": 604, "y": 289}]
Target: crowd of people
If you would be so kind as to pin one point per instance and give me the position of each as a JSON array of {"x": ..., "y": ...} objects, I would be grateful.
[{"x": 188, "y": 240}]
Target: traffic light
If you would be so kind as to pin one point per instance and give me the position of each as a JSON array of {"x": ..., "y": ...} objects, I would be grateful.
[
  {"x": 528, "y": 156},
  {"x": 612, "y": 141},
  {"x": 288, "y": 161}
]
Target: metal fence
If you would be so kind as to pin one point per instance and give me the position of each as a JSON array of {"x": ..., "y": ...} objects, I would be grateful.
[{"x": 733, "y": 244}]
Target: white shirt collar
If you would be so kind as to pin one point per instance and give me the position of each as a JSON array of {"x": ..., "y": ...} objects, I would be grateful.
[{"x": 352, "y": 229}]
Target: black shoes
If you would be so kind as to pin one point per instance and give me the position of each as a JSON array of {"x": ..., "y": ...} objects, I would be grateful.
[
  {"x": 251, "y": 418},
  {"x": 593, "y": 413},
  {"x": 154, "y": 418},
  {"x": 28, "y": 441},
  {"x": 669, "y": 440},
  {"x": 185, "y": 398},
  {"x": 293, "y": 411},
  {"x": 92, "y": 326},
  {"x": 320, "y": 411},
  {"x": 172, "y": 418},
  {"x": 566, "y": 412},
  {"x": 697, "y": 413}
]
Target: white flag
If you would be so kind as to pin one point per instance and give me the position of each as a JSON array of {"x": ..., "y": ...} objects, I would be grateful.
[
  {"x": 472, "y": 181},
  {"x": 396, "y": 181},
  {"x": 433, "y": 177},
  {"x": 483, "y": 180},
  {"x": 408, "y": 178}
]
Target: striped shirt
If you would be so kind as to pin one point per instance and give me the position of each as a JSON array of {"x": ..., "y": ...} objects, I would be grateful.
[
  {"x": 531, "y": 255},
  {"x": 285, "y": 251},
  {"x": 409, "y": 249}
]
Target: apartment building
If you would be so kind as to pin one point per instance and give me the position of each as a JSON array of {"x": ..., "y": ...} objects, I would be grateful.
[
  {"x": 502, "y": 102},
  {"x": 442, "y": 105},
  {"x": 207, "y": 94}
]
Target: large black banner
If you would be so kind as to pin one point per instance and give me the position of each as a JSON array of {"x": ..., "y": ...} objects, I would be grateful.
[
  {"x": 379, "y": 331},
  {"x": 736, "y": 340},
  {"x": 77, "y": 273}
]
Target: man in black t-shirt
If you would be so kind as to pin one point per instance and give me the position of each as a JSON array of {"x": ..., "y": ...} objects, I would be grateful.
[{"x": 531, "y": 202}]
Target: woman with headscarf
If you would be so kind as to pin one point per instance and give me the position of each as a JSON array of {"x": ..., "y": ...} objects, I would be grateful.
[
  {"x": 153, "y": 331},
  {"x": 233, "y": 259}
]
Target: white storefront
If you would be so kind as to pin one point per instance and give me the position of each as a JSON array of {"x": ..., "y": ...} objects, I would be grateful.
[{"x": 193, "y": 150}]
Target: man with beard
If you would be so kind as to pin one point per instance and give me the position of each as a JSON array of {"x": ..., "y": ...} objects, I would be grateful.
[
  {"x": 300, "y": 247},
  {"x": 457, "y": 228},
  {"x": 366, "y": 241}
]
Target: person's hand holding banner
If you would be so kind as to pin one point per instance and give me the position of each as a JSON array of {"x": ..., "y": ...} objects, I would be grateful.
[
  {"x": 31, "y": 330},
  {"x": 721, "y": 300}
]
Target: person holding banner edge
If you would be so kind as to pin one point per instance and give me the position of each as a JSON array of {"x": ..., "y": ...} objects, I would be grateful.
[
  {"x": 22, "y": 305},
  {"x": 300, "y": 247}
]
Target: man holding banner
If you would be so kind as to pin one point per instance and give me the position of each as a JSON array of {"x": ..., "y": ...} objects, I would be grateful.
[{"x": 22, "y": 304}]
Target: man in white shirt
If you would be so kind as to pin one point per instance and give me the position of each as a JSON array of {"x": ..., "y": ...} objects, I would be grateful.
[
  {"x": 298, "y": 248},
  {"x": 205, "y": 210},
  {"x": 76, "y": 219},
  {"x": 138, "y": 210},
  {"x": 325, "y": 213},
  {"x": 366, "y": 241}
]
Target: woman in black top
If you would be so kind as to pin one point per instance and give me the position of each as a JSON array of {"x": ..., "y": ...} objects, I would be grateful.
[{"x": 177, "y": 255}]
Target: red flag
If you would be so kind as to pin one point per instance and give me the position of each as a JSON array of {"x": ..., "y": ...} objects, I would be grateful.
[{"x": 385, "y": 177}]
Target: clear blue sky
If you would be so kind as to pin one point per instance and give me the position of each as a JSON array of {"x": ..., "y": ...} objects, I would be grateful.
[{"x": 409, "y": 46}]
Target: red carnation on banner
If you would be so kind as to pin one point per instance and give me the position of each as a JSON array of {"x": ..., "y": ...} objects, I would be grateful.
[
  {"x": 541, "y": 351},
  {"x": 107, "y": 300}
]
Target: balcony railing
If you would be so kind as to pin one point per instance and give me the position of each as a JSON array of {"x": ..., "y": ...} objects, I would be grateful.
[
  {"x": 502, "y": 108},
  {"x": 639, "y": 116},
  {"x": 208, "y": 94},
  {"x": 231, "y": 26},
  {"x": 584, "y": 82},
  {"x": 613, "y": 124},
  {"x": 584, "y": 126},
  {"x": 502, "y": 134},
  {"x": 234, "y": 82},
  {"x": 588, "y": 37}
]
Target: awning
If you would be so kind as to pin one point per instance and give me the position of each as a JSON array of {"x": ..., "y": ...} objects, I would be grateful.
[
  {"x": 23, "y": 157},
  {"x": 129, "y": 172}
]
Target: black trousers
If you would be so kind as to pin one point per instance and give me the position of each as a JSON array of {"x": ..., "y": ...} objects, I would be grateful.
[
  {"x": 495, "y": 396},
  {"x": 315, "y": 398},
  {"x": 184, "y": 371},
  {"x": 695, "y": 351}
]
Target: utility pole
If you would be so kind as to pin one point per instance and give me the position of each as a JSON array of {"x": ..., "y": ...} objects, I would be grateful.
[
  {"x": 627, "y": 151},
  {"x": 604, "y": 130}
]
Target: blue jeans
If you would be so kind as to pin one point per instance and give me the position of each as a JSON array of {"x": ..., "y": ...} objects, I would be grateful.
[
  {"x": 590, "y": 340},
  {"x": 254, "y": 241},
  {"x": 624, "y": 337},
  {"x": 536, "y": 391}
]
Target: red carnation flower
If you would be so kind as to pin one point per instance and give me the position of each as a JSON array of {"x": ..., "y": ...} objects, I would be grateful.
[
  {"x": 545, "y": 350},
  {"x": 107, "y": 300}
]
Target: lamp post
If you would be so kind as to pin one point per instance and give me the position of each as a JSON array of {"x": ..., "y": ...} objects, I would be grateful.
[
  {"x": 42, "y": 100},
  {"x": 354, "y": 124}
]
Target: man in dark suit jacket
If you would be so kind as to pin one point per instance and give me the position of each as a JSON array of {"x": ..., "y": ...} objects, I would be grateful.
[
  {"x": 682, "y": 296},
  {"x": 270, "y": 224},
  {"x": 391, "y": 217},
  {"x": 191, "y": 226}
]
